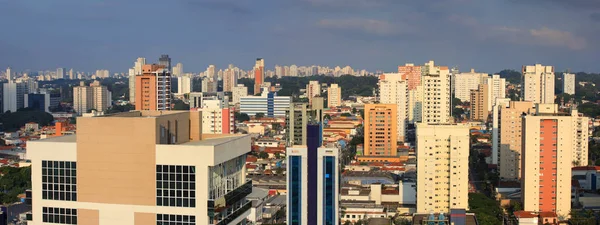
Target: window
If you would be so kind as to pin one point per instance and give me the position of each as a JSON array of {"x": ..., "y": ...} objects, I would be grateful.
[
  {"x": 59, "y": 215},
  {"x": 169, "y": 219},
  {"x": 176, "y": 185},
  {"x": 59, "y": 180}
]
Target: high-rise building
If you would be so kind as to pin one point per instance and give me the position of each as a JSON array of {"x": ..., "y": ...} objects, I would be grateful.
[
  {"x": 548, "y": 156},
  {"x": 500, "y": 103},
  {"x": 538, "y": 84},
  {"x": 259, "y": 75},
  {"x": 442, "y": 167},
  {"x": 393, "y": 89},
  {"x": 102, "y": 74},
  {"x": 178, "y": 70},
  {"x": 380, "y": 130},
  {"x": 60, "y": 73},
  {"x": 313, "y": 88},
  {"x": 13, "y": 96},
  {"x": 436, "y": 94},
  {"x": 510, "y": 141},
  {"x": 95, "y": 97},
  {"x": 209, "y": 85},
  {"x": 465, "y": 82},
  {"x": 296, "y": 122},
  {"x": 293, "y": 71},
  {"x": 71, "y": 74},
  {"x": 312, "y": 181},
  {"x": 412, "y": 75},
  {"x": 334, "y": 96},
  {"x": 153, "y": 88},
  {"x": 185, "y": 84},
  {"x": 568, "y": 80},
  {"x": 479, "y": 99},
  {"x": 217, "y": 117},
  {"x": 496, "y": 89},
  {"x": 8, "y": 74},
  {"x": 238, "y": 92},
  {"x": 41, "y": 101},
  {"x": 279, "y": 70},
  {"x": 229, "y": 79},
  {"x": 165, "y": 61},
  {"x": 166, "y": 174},
  {"x": 268, "y": 103},
  {"x": 136, "y": 70}
]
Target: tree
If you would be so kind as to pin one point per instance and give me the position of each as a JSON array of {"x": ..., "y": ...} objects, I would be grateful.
[
  {"x": 263, "y": 155},
  {"x": 259, "y": 115},
  {"x": 346, "y": 114},
  {"x": 180, "y": 105},
  {"x": 276, "y": 126},
  {"x": 241, "y": 117},
  {"x": 279, "y": 171},
  {"x": 12, "y": 121},
  {"x": 327, "y": 116}
]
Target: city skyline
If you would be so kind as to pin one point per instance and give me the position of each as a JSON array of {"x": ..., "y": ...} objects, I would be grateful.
[{"x": 366, "y": 34}]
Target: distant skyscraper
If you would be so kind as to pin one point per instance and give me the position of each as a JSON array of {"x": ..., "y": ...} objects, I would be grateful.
[
  {"x": 184, "y": 85},
  {"x": 313, "y": 88},
  {"x": 60, "y": 73},
  {"x": 178, "y": 70},
  {"x": 165, "y": 61},
  {"x": 538, "y": 84},
  {"x": 136, "y": 70},
  {"x": 90, "y": 97},
  {"x": 14, "y": 96},
  {"x": 72, "y": 75},
  {"x": 510, "y": 139},
  {"x": 334, "y": 96},
  {"x": 259, "y": 75},
  {"x": 153, "y": 88},
  {"x": 412, "y": 74},
  {"x": 380, "y": 130},
  {"x": 313, "y": 181},
  {"x": 293, "y": 70},
  {"x": 41, "y": 101},
  {"x": 9, "y": 74},
  {"x": 568, "y": 83},
  {"x": 229, "y": 79},
  {"x": 442, "y": 167},
  {"x": 496, "y": 89},
  {"x": 479, "y": 99},
  {"x": 238, "y": 92},
  {"x": 436, "y": 94},
  {"x": 393, "y": 89},
  {"x": 102, "y": 74},
  {"x": 465, "y": 82}
]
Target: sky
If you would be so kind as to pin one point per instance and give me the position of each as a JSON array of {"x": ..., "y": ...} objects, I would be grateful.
[{"x": 488, "y": 35}]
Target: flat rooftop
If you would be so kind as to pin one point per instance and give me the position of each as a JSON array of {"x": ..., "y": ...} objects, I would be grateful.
[
  {"x": 206, "y": 142},
  {"x": 61, "y": 139}
]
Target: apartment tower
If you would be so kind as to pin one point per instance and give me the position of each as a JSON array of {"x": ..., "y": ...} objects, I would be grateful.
[
  {"x": 313, "y": 89},
  {"x": 496, "y": 89},
  {"x": 259, "y": 75},
  {"x": 153, "y": 88},
  {"x": 380, "y": 130},
  {"x": 464, "y": 83},
  {"x": 393, "y": 89},
  {"x": 510, "y": 128},
  {"x": 538, "y": 84},
  {"x": 140, "y": 167},
  {"x": 95, "y": 97},
  {"x": 568, "y": 80},
  {"x": 436, "y": 94},
  {"x": 334, "y": 96},
  {"x": 442, "y": 167},
  {"x": 479, "y": 103}
]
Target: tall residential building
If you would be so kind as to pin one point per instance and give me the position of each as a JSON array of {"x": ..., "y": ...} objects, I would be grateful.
[
  {"x": 393, "y": 89},
  {"x": 13, "y": 96},
  {"x": 102, "y": 74},
  {"x": 259, "y": 75},
  {"x": 380, "y": 130},
  {"x": 217, "y": 117},
  {"x": 442, "y": 167},
  {"x": 178, "y": 70},
  {"x": 334, "y": 96},
  {"x": 313, "y": 88},
  {"x": 153, "y": 88},
  {"x": 60, "y": 73},
  {"x": 71, "y": 74},
  {"x": 479, "y": 103},
  {"x": 510, "y": 141},
  {"x": 412, "y": 75},
  {"x": 547, "y": 160},
  {"x": 538, "y": 84},
  {"x": 296, "y": 121},
  {"x": 8, "y": 75},
  {"x": 166, "y": 174},
  {"x": 229, "y": 79},
  {"x": 136, "y": 70},
  {"x": 267, "y": 103},
  {"x": 500, "y": 103},
  {"x": 185, "y": 84},
  {"x": 496, "y": 89},
  {"x": 568, "y": 80},
  {"x": 465, "y": 82},
  {"x": 436, "y": 94},
  {"x": 95, "y": 96},
  {"x": 312, "y": 181},
  {"x": 238, "y": 92},
  {"x": 165, "y": 61}
]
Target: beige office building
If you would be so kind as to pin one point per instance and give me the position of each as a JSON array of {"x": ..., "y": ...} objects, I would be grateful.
[
  {"x": 538, "y": 84},
  {"x": 442, "y": 167},
  {"x": 479, "y": 103},
  {"x": 393, "y": 89},
  {"x": 510, "y": 127},
  {"x": 95, "y": 96},
  {"x": 547, "y": 160},
  {"x": 464, "y": 83},
  {"x": 436, "y": 94},
  {"x": 334, "y": 96},
  {"x": 140, "y": 167}
]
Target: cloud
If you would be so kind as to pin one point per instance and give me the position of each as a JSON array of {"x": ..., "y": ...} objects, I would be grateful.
[
  {"x": 595, "y": 16},
  {"x": 365, "y": 26},
  {"x": 220, "y": 5},
  {"x": 553, "y": 37},
  {"x": 573, "y": 4}
]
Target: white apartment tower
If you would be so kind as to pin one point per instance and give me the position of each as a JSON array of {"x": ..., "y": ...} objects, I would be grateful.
[
  {"x": 568, "y": 83},
  {"x": 394, "y": 90},
  {"x": 184, "y": 84},
  {"x": 238, "y": 92},
  {"x": 538, "y": 84},
  {"x": 334, "y": 96},
  {"x": 313, "y": 88},
  {"x": 496, "y": 89},
  {"x": 442, "y": 167},
  {"x": 465, "y": 82},
  {"x": 436, "y": 94}
]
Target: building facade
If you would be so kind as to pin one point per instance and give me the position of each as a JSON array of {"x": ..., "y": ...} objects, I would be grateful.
[
  {"x": 313, "y": 89},
  {"x": 510, "y": 142},
  {"x": 313, "y": 181},
  {"x": 334, "y": 96},
  {"x": 153, "y": 87},
  {"x": 465, "y": 82},
  {"x": 436, "y": 94},
  {"x": 259, "y": 75},
  {"x": 412, "y": 75},
  {"x": 229, "y": 79},
  {"x": 13, "y": 96},
  {"x": 393, "y": 89},
  {"x": 380, "y": 130},
  {"x": 94, "y": 96},
  {"x": 166, "y": 173},
  {"x": 238, "y": 92},
  {"x": 479, "y": 99},
  {"x": 538, "y": 84},
  {"x": 42, "y": 101},
  {"x": 496, "y": 89},
  {"x": 568, "y": 80},
  {"x": 442, "y": 167},
  {"x": 268, "y": 103},
  {"x": 184, "y": 85}
]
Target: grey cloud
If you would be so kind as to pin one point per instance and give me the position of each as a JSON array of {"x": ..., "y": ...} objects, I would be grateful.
[
  {"x": 595, "y": 16},
  {"x": 574, "y": 4},
  {"x": 236, "y": 7}
]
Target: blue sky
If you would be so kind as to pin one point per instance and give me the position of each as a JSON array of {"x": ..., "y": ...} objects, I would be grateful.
[{"x": 488, "y": 35}]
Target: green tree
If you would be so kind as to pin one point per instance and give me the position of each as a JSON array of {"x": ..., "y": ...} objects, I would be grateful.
[
  {"x": 346, "y": 114},
  {"x": 241, "y": 117},
  {"x": 259, "y": 115},
  {"x": 276, "y": 126},
  {"x": 12, "y": 121},
  {"x": 327, "y": 116},
  {"x": 180, "y": 105},
  {"x": 487, "y": 210},
  {"x": 263, "y": 155}
]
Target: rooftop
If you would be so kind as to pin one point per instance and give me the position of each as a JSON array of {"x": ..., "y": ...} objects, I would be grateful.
[{"x": 215, "y": 141}]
